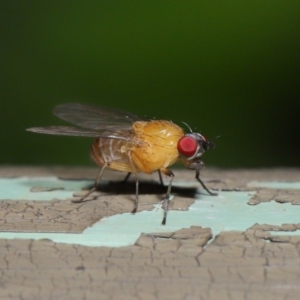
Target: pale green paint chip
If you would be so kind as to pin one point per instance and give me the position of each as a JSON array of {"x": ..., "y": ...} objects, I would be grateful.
[
  {"x": 275, "y": 184},
  {"x": 19, "y": 188},
  {"x": 226, "y": 212}
]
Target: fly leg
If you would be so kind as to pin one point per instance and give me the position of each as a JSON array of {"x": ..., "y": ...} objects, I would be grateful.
[
  {"x": 160, "y": 178},
  {"x": 159, "y": 174},
  {"x": 126, "y": 178},
  {"x": 203, "y": 185},
  {"x": 136, "y": 184},
  {"x": 166, "y": 200},
  {"x": 97, "y": 181}
]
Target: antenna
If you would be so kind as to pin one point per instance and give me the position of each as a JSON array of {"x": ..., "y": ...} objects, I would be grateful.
[{"x": 187, "y": 126}]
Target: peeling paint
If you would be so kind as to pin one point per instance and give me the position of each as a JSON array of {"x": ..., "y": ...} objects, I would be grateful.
[{"x": 226, "y": 212}]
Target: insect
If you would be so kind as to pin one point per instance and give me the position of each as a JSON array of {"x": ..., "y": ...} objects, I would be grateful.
[{"x": 128, "y": 143}]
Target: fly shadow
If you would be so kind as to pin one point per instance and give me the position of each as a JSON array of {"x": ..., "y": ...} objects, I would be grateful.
[{"x": 145, "y": 188}]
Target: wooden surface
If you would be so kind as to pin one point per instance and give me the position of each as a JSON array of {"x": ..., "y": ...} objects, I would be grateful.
[{"x": 211, "y": 248}]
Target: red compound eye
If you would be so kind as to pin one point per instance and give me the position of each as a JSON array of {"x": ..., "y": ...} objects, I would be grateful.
[{"x": 187, "y": 146}]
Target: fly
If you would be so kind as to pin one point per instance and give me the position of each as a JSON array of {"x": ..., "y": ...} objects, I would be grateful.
[{"x": 128, "y": 143}]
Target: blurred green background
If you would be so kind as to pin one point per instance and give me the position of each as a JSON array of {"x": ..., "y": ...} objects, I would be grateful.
[{"x": 227, "y": 68}]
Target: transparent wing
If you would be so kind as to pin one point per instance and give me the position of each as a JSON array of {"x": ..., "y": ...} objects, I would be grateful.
[
  {"x": 75, "y": 131},
  {"x": 95, "y": 118}
]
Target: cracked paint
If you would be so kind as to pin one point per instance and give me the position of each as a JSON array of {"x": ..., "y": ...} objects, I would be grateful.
[
  {"x": 97, "y": 223},
  {"x": 236, "y": 265},
  {"x": 260, "y": 261}
]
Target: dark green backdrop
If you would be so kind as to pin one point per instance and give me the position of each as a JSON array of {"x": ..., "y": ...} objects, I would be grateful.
[{"x": 229, "y": 68}]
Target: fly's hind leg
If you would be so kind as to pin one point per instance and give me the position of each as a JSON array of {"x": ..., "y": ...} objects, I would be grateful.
[
  {"x": 166, "y": 200},
  {"x": 136, "y": 204},
  {"x": 97, "y": 181}
]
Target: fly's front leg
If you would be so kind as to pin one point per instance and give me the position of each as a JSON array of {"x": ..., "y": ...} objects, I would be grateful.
[
  {"x": 97, "y": 181},
  {"x": 203, "y": 185},
  {"x": 166, "y": 200},
  {"x": 136, "y": 204}
]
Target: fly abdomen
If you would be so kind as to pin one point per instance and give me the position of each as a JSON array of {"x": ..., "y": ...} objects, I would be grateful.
[{"x": 113, "y": 152}]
